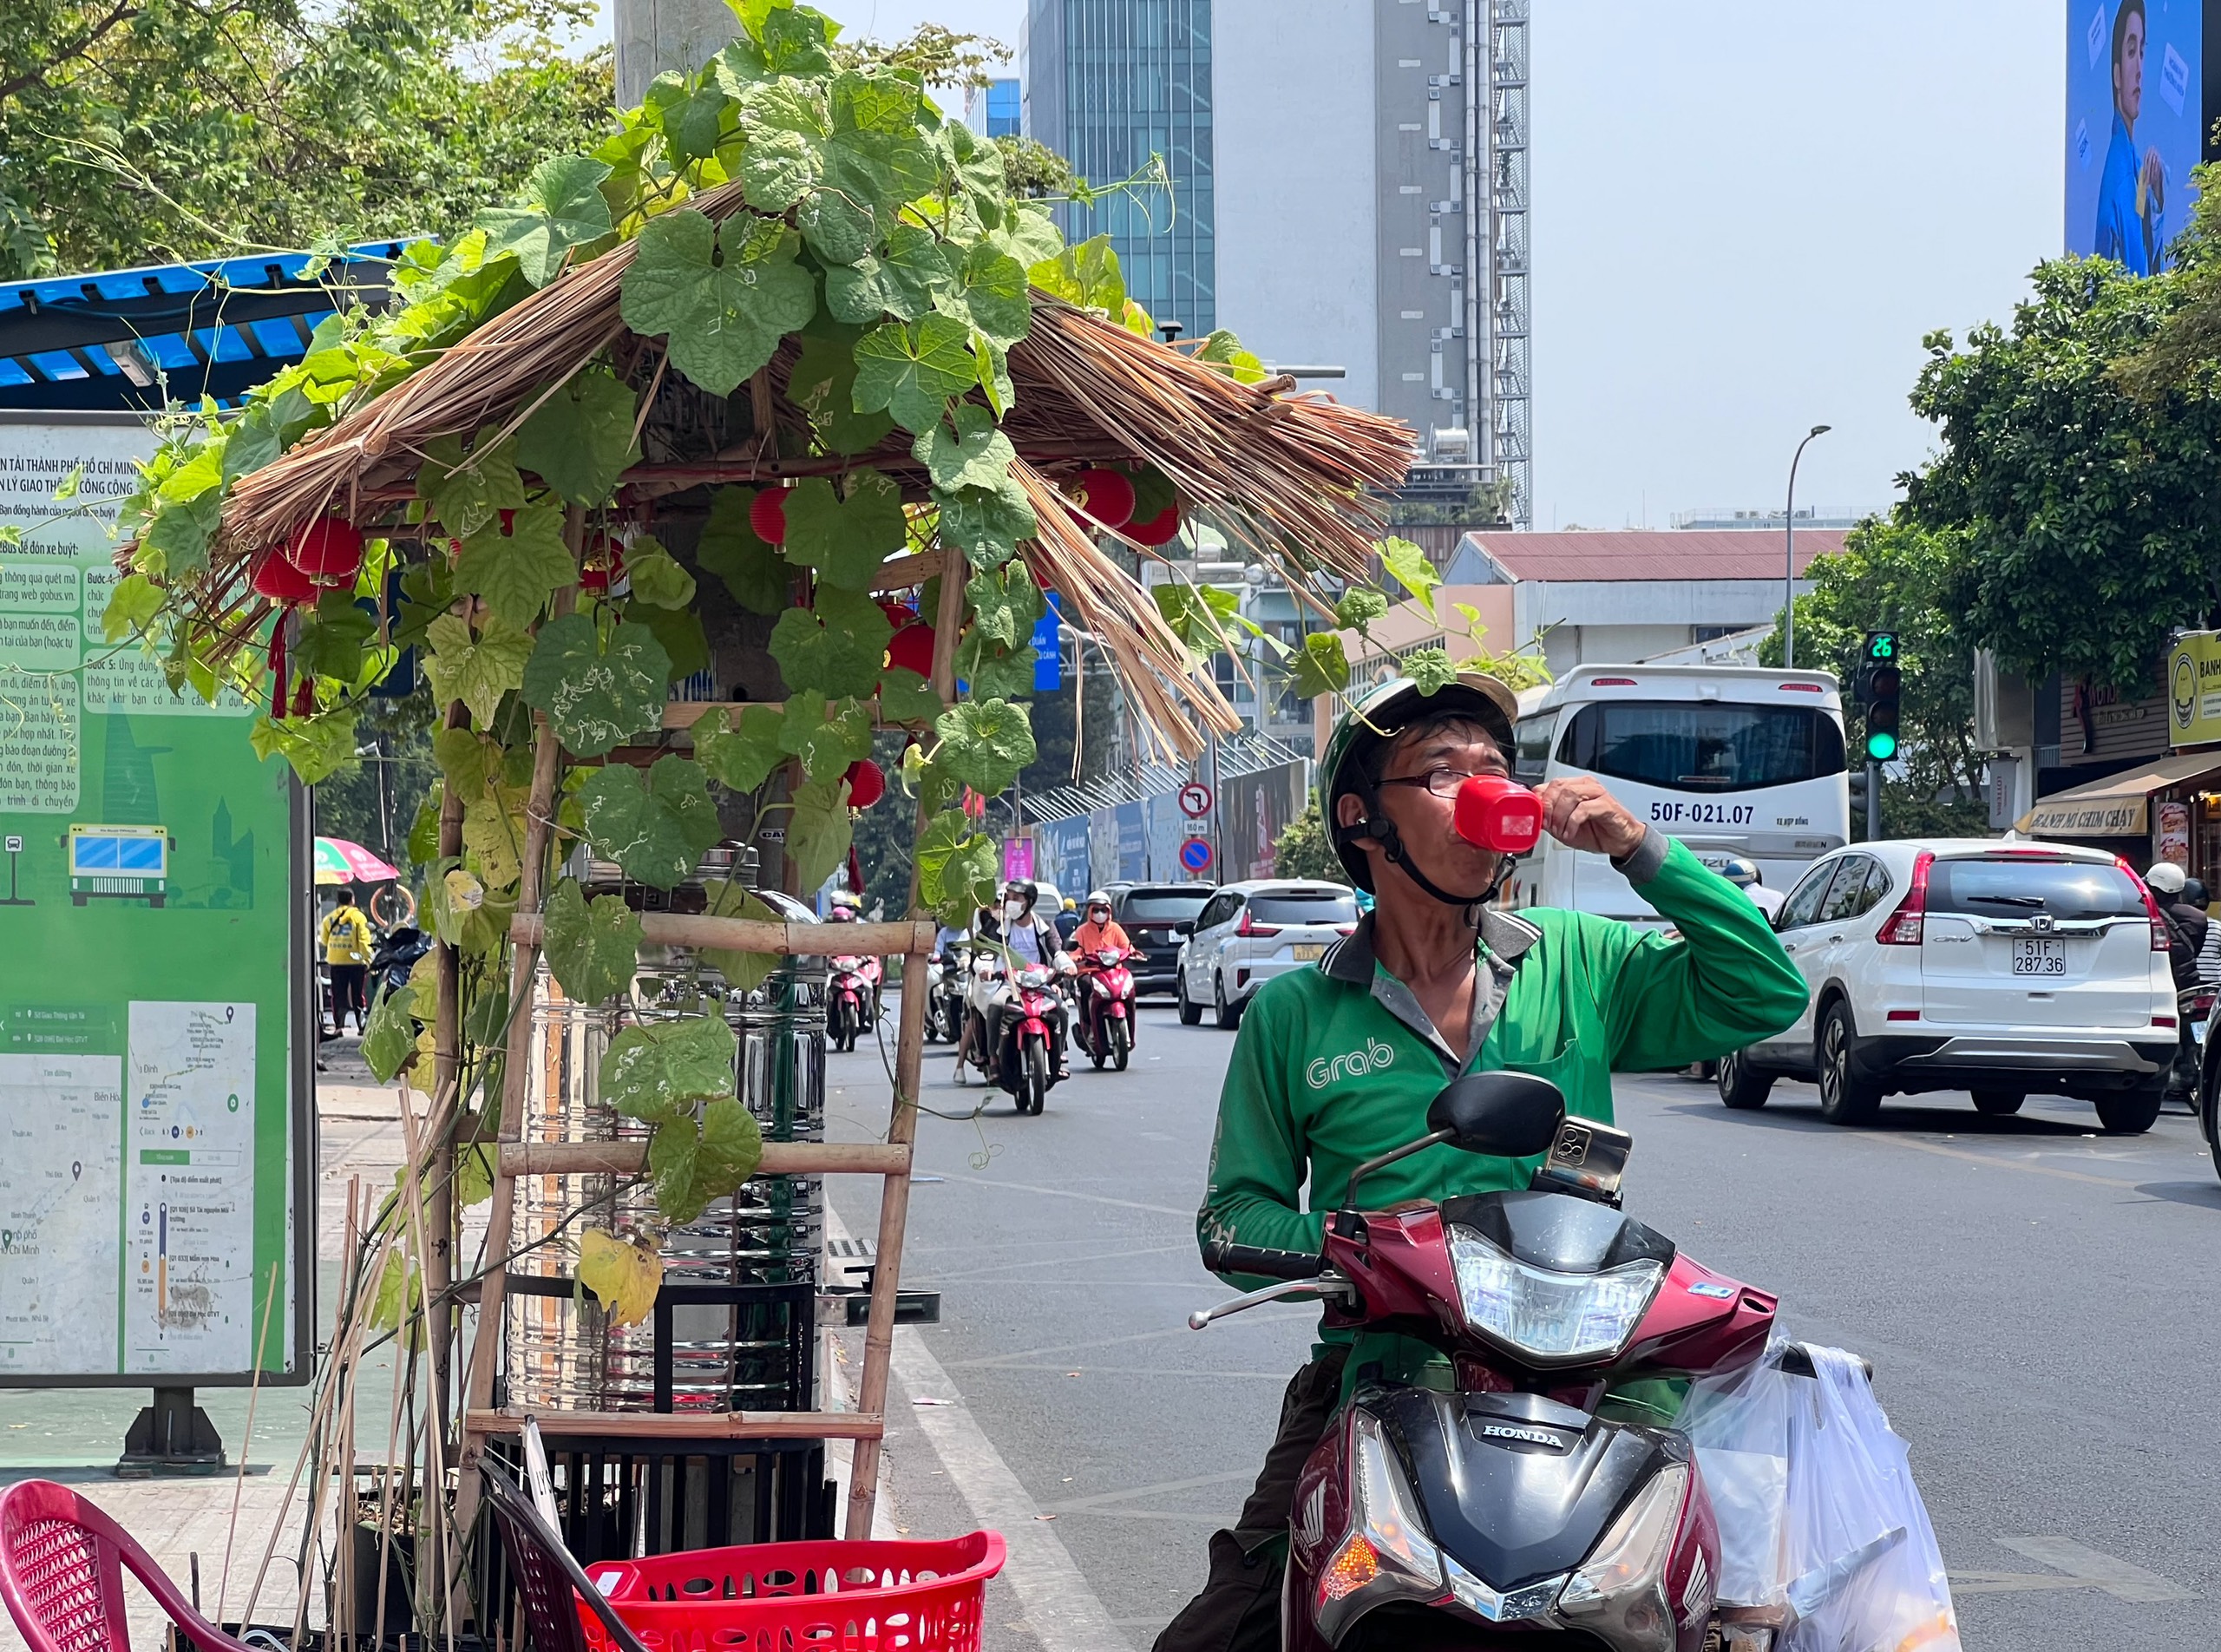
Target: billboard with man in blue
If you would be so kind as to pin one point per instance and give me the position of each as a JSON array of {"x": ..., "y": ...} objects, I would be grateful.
[{"x": 2134, "y": 101}]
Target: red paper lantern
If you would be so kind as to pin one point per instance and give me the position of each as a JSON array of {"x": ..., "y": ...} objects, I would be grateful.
[
  {"x": 280, "y": 580},
  {"x": 328, "y": 550},
  {"x": 913, "y": 647},
  {"x": 767, "y": 515},
  {"x": 1106, "y": 495},
  {"x": 1160, "y": 529},
  {"x": 867, "y": 784},
  {"x": 604, "y": 563}
]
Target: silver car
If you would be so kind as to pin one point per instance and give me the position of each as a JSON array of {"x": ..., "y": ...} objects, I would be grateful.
[{"x": 1249, "y": 932}]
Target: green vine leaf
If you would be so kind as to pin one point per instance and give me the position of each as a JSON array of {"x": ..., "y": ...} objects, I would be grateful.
[
  {"x": 390, "y": 1039},
  {"x": 743, "y": 971},
  {"x": 987, "y": 524},
  {"x": 660, "y": 1070},
  {"x": 580, "y": 439},
  {"x": 1429, "y": 669},
  {"x": 1006, "y": 603},
  {"x": 1199, "y": 615},
  {"x": 179, "y": 536},
  {"x": 476, "y": 671},
  {"x": 786, "y": 134},
  {"x": 990, "y": 293},
  {"x": 989, "y": 670},
  {"x": 956, "y": 868},
  {"x": 912, "y": 371},
  {"x": 753, "y": 571},
  {"x": 594, "y": 947},
  {"x": 1409, "y": 564},
  {"x": 1360, "y": 607},
  {"x": 596, "y": 692},
  {"x": 469, "y": 761},
  {"x": 133, "y": 603},
  {"x": 1223, "y": 350},
  {"x": 823, "y": 383},
  {"x": 1086, "y": 275},
  {"x": 332, "y": 637},
  {"x": 837, "y": 230},
  {"x": 916, "y": 267},
  {"x": 465, "y": 492},
  {"x": 679, "y": 631},
  {"x": 740, "y": 759},
  {"x": 1323, "y": 667},
  {"x": 563, "y": 208},
  {"x": 1029, "y": 235},
  {"x": 827, "y": 738},
  {"x": 846, "y": 540},
  {"x": 837, "y": 648},
  {"x": 493, "y": 839},
  {"x": 820, "y": 831},
  {"x": 692, "y": 1166},
  {"x": 655, "y": 831},
  {"x": 983, "y": 744},
  {"x": 976, "y": 454},
  {"x": 655, "y": 576},
  {"x": 905, "y": 697},
  {"x": 518, "y": 570},
  {"x": 724, "y": 296}
]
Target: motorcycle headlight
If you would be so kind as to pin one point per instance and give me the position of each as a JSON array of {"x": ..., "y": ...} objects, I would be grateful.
[
  {"x": 1387, "y": 1554},
  {"x": 1619, "y": 1593},
  {"x": 1547, "y": 1315}
]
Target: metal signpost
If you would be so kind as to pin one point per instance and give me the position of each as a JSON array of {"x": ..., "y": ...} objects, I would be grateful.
[{"x": 157, "y": 1198}]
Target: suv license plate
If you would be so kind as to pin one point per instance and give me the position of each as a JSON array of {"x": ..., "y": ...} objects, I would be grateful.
[
  {"x": 1308, "y": 953},
  {"x": 2039, "y": 957}
]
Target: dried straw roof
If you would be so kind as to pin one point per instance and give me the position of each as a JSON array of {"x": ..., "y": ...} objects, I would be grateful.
[{"x": 1287, "y": 475}]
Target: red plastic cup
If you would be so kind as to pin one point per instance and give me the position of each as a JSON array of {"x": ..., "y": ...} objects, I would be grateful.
[{"x": 1499, "y": 814}]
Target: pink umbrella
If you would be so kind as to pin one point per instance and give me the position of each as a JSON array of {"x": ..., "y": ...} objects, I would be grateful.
[{"x": 338, "y": 861}]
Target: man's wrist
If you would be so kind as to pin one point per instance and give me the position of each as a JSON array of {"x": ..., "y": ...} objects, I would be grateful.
[{"x": 1646, "y": 860}]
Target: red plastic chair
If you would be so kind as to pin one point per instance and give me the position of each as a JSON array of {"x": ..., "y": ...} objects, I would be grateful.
[{"x": 61, "y": 1563}]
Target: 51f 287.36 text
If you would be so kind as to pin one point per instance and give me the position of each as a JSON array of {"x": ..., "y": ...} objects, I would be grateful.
[{"x": 1702, "y": 814}]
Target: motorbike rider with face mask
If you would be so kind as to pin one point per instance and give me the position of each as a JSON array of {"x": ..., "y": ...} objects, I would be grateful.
[
  {"x": 1338, "y": 1062},
  {"x": 1030, "y": 940}
]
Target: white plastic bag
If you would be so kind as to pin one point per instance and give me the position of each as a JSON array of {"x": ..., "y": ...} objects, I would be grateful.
[{"x": 1818, "y": 1510}]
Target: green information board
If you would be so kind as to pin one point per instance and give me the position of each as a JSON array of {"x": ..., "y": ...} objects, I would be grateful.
[{"x": 156, "y": 1089}]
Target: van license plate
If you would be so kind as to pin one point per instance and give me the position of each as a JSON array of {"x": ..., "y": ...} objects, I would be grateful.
[
  {"x": 2033, "y": 956},
  {"x": 1306, "y": 954}
]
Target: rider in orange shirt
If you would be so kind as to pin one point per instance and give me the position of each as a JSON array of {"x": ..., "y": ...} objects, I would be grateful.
[{"x": 1098, "y": 930}]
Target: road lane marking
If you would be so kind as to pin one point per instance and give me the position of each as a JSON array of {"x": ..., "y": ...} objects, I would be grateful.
[
  {"x": 1062, "y": 1611},
  {"x": 1067, "y": 1193},
  {"x": 1938, "y": 1149},
  {"x": 2096, "y": 1570},
  {"x": 1252, "y": 1318},
  {"x": 1099, "y": 1498}
]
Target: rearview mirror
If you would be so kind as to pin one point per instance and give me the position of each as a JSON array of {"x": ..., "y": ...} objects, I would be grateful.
[
  {"x": 1505, "y": 1115},
  {"x": 1185, "y": 927}
]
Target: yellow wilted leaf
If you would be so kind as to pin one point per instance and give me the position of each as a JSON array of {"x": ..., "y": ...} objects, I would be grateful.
[{"x": 624, "y": 1273}]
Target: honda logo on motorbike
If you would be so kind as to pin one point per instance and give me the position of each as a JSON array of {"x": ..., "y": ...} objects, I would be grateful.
[
  {"x": 1526, "y": 1436},
  {"x": 1354, "y": 1064}
]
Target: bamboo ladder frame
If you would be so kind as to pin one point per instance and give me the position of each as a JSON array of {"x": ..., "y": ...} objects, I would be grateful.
[{"x": 891, "y": 1160}]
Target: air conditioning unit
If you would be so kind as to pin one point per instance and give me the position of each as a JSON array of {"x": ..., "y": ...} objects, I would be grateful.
[{"x": 1451, "y": 443}]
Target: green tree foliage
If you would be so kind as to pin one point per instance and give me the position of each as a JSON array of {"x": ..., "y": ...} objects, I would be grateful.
[
  {"x": 1302, "y": 850},
  {"x": 1891, "y": 576},
  {"x": 2080, "y": 502},
  {"x": 135, "y": 131}
]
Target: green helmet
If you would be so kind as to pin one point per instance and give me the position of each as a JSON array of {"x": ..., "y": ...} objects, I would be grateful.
[{"x": 1379, "y": 714}]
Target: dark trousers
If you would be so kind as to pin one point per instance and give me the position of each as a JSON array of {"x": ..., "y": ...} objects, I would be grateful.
[
  {"x": 1239, "y": 1610},
  {"x": 347, "y": 981}
]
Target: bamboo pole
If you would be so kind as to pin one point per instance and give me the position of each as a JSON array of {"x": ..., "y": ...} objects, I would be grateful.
[
  {"x": 516, "y": 1042},
  {"x": 689, "y": 1425},
  {"x": 438, "y": 1258},
  {"x": 902, "y": 1132}
]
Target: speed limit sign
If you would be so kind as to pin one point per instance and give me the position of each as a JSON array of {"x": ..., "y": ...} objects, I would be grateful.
[{"x": 1195, "y": 800}]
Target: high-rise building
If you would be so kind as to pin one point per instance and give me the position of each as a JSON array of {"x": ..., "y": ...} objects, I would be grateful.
[
  {"x": 1109, "y": 85},
  {"x": 1351, "y": 190},
  {"x": 992, "y": 110}
]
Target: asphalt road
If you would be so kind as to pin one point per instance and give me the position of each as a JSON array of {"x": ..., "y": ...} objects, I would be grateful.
[{"x": 2038, "y": 1302}]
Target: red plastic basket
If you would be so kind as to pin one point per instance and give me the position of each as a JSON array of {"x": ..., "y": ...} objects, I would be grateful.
[{"x": 802, "y": 1597}]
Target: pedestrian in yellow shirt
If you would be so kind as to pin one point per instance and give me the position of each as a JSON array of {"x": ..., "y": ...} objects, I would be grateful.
[{"x": 346, "y": 935}]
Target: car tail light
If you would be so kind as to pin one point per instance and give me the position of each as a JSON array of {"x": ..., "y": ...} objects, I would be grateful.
[
  {"x": 2159, "y": 940},
  {"x": 1250, "y": 926},
  {"x": 2163, "y": 1021},
  {"x": 1611, "y": 682},
  {"x": 1904, "y": 926},
  {"x": 1345, "y": 928},
  {"x": 1801, "y": 688}
]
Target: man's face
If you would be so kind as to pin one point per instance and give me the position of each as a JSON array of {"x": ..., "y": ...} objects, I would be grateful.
[
  {"x": 1425, "y": 822},
  {"x": 2128, "y": 72}
]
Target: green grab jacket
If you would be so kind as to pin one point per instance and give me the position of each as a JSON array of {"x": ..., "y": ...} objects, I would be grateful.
[{"x": 1337, "y": 1064}]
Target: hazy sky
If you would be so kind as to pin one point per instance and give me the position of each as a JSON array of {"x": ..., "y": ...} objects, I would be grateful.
[{"x": 1746, "y": 215}]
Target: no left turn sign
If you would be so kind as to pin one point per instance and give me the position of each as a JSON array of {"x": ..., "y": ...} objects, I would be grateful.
[{"x": 1195, "y": 800}]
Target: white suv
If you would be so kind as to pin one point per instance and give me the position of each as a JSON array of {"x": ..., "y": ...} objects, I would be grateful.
[
  {"x": 1249, "y": 932},
  {"x": 1972, "y": 964}
]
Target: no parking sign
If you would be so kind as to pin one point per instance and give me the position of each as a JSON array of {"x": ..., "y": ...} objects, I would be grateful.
[{"x": 1195, "y": 854}]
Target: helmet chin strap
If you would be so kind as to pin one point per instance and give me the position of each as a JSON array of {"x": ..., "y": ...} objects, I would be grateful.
[{"x": 1382, "y": 830}]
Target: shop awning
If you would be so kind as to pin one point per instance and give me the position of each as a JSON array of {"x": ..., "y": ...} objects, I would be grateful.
[{"x": 2115, "y": 806}]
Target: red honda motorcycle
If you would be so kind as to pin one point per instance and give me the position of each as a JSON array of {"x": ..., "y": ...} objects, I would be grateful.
[
  {"x": 1107, "y": 1006},
  {"x": 1513, "y": 1510},
  {"x": 852, "y": 1000}
]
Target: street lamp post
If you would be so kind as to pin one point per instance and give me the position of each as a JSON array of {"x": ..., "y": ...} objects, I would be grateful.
[{"x": 1789, "y": 557}]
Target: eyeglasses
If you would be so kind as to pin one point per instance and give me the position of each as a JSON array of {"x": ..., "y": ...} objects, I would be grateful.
[{"x": 1442, "y": 783}]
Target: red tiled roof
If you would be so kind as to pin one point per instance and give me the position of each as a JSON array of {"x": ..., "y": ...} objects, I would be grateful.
[{"x": 1681, "y": 554}]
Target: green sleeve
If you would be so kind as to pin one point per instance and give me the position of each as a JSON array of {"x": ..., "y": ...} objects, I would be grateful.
[
  {"x": 1725, "y": 983},
  {"x": 1259, "y": 1153}
]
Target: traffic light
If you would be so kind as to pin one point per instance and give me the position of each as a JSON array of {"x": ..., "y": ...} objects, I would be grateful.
[
  {"x": 1860, "y": 805},
  {"x": 1880, "y": 685}
]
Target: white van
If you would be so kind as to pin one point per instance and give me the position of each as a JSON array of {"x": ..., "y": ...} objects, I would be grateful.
[{"x": 1732, "y": 760}]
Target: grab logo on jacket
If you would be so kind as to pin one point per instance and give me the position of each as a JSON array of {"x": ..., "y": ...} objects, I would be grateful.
[{"x": 1354, "y": 1065}]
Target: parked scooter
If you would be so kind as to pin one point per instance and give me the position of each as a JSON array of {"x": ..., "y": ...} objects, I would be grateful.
[
  {"x": 1107, "y": 1006},
  {"x": 852, "y": 1000},
  {"x": 944, "y": 984},
  {"x": 394, "y": 956},
  {"x": 1513, "y": 1501}
]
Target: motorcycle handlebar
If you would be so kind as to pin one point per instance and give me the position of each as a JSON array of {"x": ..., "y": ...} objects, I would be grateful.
[{"x": 1228, "y": 1258}]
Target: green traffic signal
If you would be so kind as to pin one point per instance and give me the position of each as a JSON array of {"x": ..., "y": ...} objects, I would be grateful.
[
  {"x": 1881, "y": 745},
  {"x": 1881, "y": 645}
]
